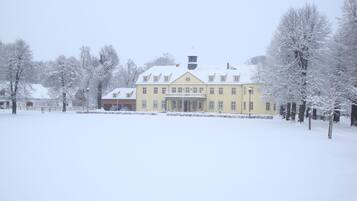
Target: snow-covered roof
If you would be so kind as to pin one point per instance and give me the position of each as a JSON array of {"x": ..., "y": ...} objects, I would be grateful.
[
  {"x": 31, "y": 91},
  {"x": 121, "y": 93},
  {"x": 38, "y": 91},
  {"x": 207, "y": 74}
]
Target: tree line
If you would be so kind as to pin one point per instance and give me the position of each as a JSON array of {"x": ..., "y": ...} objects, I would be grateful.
[
  {"x": 310, "y": 69},
  {"x": 80, "y": 79}
]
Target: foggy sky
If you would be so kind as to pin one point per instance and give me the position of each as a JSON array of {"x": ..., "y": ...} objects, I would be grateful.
[{"x": 221, "y": 31}]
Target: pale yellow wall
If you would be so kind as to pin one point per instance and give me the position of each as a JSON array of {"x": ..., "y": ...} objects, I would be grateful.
[
  {"x": 150, "y": 97},
  {"x": 259, "y": 106}
]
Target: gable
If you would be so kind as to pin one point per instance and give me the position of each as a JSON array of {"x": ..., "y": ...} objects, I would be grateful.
[{"x": 187, "y": 78}]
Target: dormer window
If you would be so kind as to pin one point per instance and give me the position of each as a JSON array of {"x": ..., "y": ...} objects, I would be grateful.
[
  {"x": 2, "y": 92},
  {"x": 145, "y": 78},
  {"x": 166, "y": 78},
  {"x": 236, "y": 78},
  {"x": 211, "y": 78},
  {"x": 128, "y": 95},
  {"x": 223, "y": 78},
  {"x": 156, "y": 78}
]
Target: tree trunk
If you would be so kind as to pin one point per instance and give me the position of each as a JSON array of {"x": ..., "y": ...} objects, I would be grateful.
[
  {"x": 314, "y": 114},
  {"x": 99, "y": 95},
  {"x": 281, "y": 111},
  {"x": 337, "y": 113},
  {"x": 330, "y": 126},
  {"x": 293, "y": 111},
  {"x": 309, "y": 114},
  {"x": 302, "y": 108},
  {"x": 14, "y": 106},
  {"x": 354, "y": 114},
  {"x": 288, "y": 107},
  {"x": 64, "y": 102}
]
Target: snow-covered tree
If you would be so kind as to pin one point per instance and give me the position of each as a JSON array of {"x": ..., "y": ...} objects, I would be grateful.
[
  {"x": 65, "y": 78},
  {"x": 165, "y": 59},
  {"x": 108, "y": 60},
  {"x": 17, "y": 62},
  {"x": 130, "y": 73},
  {"x": 301, "y": 35},
  {"x": 348, "y": 53}
]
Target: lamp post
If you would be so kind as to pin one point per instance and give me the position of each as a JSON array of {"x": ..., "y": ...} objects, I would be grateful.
[
  {"x": 87, "y": 91},
  {"x": 250, "y": 91}
]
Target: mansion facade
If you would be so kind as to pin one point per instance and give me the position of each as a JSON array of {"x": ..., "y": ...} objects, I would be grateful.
[{"x": 201, "y": 89}]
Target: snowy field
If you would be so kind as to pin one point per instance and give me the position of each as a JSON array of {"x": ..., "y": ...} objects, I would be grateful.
[{"x": 81, "y": 157}]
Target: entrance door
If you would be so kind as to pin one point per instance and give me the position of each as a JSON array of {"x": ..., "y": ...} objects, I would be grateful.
[{"x": 186, "y": 106}]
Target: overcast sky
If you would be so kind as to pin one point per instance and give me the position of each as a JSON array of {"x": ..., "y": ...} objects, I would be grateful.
[{"x": 220, "y": 31}]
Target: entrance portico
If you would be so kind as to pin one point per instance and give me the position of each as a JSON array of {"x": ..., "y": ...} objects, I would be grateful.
[{"x": 185, "y": 103}]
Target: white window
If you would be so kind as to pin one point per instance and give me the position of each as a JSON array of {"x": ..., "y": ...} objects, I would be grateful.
[
  {"x": 156, "y": 78},
  {"x": 201, "y": 90},
  {"x": 211, "y": 105},
  {"x": 194, "y": 90},
  {"x": 211, "y": 90},
  {"x": 244, "y": 105},
  {"x": 163, "y": 105},
  {"x": 251, "y": 105},
  {"x": 220, "y": 90},
  {"x": 166, "y": 78},
  {"x": 173, "y": 90},
  {"x": 179, "y": 90},
  {"x": 236, "y": 78},
  {"x": 173, "y": 105},
  {"x": 163, "y": 90},
  {"x": 187, "y": 90},
  {"x": 220, "y": 105},
  {"x": 144, "y": 90},
  {"x": 233, "y": 106},
  {"x": 234, "y": 91},
  {"x": 143, "y": 104},
  {"x": 267, "y": 106},
  {"x": 154, "y": 104},
  {"x": 156, "y": 90},
  {"x": 210, "y": 78}
]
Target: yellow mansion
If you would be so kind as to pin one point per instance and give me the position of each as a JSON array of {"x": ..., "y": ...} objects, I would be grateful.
[{"x": 198, "y": 89}]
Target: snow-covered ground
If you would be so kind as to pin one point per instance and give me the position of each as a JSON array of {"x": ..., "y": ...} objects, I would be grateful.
[{"x": 90, "y": 157}]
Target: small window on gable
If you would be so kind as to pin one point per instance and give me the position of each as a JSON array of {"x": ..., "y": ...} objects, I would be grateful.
[
  {"x": 236, "y": 78},
  {"x": 211, "y": 78},
  {"x": 156, "y": 78},
  {"x": 166, "y": 78},
  {"x": 223, "y": 78},
  {"x": 188, "y": 79},
  {"x": 145, "y": 78}
]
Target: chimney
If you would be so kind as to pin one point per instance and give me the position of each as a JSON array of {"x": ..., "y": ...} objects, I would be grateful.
[
  {"x": 177, "y": 65},
  {"x": 228, "y": 66}
]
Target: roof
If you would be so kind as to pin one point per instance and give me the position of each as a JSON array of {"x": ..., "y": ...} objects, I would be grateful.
[
  {"x": 121, "y": 93},
  {"x": 204, "y": 73},
  {"x": 31, "y": 91},
  {"x": 38, "y": 91}
]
